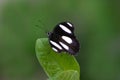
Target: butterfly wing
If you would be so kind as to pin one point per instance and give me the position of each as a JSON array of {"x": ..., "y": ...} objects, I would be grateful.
[
  {"x": 63, "y": 36},
  {"x": 54, "y": 42},
  {"x": 64, "y": 28}
]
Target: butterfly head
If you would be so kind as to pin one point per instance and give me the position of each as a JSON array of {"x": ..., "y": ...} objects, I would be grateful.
[{"x": 49, "y": 34}]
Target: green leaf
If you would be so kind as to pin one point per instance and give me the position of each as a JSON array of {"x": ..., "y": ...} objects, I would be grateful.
[
  {"x": 67, "y": 75},
  {"x": 58, "y": 66}
]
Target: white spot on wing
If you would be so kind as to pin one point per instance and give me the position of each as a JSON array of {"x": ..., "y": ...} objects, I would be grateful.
[
  {"x": 55, "y": 49},
  {"x": 67, "y": 39},
  {"x": 65, "y": 46},
  {"x": 65, "y": 28},
  {"x": 69, "y": 24},
  {"x": 56, "y": 45}
]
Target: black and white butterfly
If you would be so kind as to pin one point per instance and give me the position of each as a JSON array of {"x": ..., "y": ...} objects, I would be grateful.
[{"x": 62, "y": 38}]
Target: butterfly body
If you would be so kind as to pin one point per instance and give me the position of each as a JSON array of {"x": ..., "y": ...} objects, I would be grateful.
[{"x": 62, "y": 38}]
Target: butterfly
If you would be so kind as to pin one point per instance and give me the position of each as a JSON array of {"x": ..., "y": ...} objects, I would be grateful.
[{"x": 62, "y": 39}]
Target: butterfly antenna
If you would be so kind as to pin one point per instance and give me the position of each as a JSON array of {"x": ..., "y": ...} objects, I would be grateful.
[{"x": 42, "y": 27}]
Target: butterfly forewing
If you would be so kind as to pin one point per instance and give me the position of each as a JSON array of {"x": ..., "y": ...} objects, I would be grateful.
[
  {"x": 63, "y": 39},
  {"x": 64, "y": 29}
]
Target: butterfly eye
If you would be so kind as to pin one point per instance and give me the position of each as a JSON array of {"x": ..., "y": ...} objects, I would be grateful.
[{"x": 49, "y": 33}]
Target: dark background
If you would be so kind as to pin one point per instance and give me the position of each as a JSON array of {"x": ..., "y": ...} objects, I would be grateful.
[{"x": 97, "y": 27}]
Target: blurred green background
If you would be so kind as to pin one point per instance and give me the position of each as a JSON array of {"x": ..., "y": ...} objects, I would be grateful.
[{"x": 97, "y": 26}]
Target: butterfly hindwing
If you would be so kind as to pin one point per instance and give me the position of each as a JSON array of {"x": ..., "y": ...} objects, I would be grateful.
[
  {"x": 69, "y": 44},
  {"x": 63, "y": 39},
  {"x": 54, "y": 42}
]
